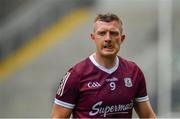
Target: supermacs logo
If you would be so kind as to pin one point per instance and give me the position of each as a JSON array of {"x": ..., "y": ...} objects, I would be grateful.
[{"x": 97, "y": 108}]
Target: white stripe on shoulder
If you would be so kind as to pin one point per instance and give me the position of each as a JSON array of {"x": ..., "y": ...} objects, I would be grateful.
[
  {"x": 142, "y": 99},
  {"x": 65, "y": 80},
  {"x": 64, "y": 104},
  {"x": 62, "y": 84}
]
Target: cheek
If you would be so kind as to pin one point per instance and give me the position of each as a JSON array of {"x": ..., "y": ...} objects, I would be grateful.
[
  {"x": 118, "y": 41},
  {"x": 98, "y": 43}
]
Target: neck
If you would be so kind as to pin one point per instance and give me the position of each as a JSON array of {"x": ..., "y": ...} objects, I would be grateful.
[{"x": 107, "y": 62}]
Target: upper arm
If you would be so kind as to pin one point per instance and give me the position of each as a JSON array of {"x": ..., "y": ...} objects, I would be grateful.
[
  {"x": 66, "y": 95},
  {"x": 61, "y": 112},
  {"x": 142, "y": 104},
  {"x": 144, "y": 110}
]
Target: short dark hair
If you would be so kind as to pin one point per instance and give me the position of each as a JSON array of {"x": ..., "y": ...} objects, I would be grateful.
[{"x": 108, "y": 17}]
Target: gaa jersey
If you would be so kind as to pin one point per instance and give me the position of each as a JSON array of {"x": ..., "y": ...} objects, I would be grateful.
[{"x": 93, "y": 91}]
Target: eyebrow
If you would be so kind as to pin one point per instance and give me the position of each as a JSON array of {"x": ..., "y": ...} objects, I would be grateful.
[{"x": 110, "y": 30}]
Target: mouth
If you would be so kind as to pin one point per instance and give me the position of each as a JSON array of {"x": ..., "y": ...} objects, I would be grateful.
[{"x": 108, "y": 46}]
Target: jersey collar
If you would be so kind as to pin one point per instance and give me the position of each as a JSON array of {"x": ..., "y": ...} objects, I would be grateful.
[{"x": 109, "y": 71}]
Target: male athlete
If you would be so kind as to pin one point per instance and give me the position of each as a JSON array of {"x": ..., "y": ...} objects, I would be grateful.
[{"x": 103, "y": 85}]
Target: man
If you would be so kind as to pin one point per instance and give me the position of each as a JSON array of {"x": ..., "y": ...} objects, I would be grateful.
[{"x": 103, "y": 85}]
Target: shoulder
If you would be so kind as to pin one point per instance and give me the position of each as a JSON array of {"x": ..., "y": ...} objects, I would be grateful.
[
  {"x": 128, "y": 65},
  {"x": 74, "y": 74},
  {"x": 80, "y": 67}
]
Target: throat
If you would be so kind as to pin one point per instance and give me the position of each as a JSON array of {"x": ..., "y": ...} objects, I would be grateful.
[{"x": 107, "y": 62}]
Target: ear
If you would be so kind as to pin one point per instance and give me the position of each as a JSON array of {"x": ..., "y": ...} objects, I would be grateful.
[
  {"x": 92, "y": 36},
  {"x": 123, "y": 38}
]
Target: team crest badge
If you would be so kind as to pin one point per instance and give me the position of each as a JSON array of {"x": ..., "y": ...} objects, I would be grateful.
[{"x": 128, "y": 82}]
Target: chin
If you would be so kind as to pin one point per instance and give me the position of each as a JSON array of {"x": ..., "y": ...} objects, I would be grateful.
[{"x": 109, "y": 54}]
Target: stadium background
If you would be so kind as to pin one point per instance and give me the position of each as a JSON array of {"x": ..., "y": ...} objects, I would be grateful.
[{"x": 41, "y": 39}]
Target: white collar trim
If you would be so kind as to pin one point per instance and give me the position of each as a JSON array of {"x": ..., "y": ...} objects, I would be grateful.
[{"x": 109, "y": 71}]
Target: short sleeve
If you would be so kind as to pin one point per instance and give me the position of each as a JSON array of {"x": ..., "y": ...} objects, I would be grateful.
[
  {"x": 67, "y": 92},
  {"x": 141, "y": 94}
]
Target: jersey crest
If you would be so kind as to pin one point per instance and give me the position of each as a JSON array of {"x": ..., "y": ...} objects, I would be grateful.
[{"x": 128, "y": 82}]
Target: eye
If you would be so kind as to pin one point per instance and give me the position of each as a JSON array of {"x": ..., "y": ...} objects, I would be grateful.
[
  {"x": 101, "y": 33},
  {"x": 114, "y": 33}
]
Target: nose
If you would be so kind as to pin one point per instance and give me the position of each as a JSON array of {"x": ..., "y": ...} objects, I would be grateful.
[{"x": 107, "y": 37}]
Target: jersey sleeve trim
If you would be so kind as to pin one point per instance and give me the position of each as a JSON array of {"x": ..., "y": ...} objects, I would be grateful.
[
  {"x": 142, "y": 99},
  {"x": 64, "y": 104}
]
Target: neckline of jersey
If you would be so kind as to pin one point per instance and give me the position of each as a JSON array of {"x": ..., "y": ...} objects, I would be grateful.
[{"x": 109, "y": 71}]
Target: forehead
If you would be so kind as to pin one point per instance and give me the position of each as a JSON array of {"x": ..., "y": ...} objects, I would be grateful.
[{"x": 100, "y": 25}]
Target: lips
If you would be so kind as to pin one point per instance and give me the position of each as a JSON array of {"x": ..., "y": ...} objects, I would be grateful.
[{"x": 108, "y": 46}]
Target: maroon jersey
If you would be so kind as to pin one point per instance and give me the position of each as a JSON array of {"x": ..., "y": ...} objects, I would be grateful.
[{"x": 93, "y": 91}]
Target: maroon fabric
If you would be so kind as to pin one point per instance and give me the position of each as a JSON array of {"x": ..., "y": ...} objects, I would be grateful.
[{"x": 93, "y": 93}]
